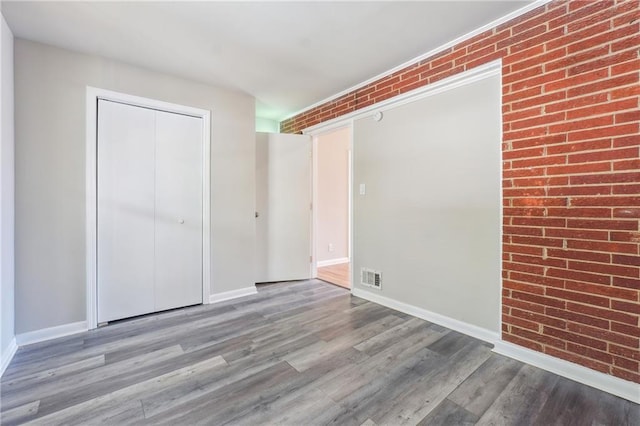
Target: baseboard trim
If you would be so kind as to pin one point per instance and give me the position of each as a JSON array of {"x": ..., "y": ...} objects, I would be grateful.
[
  {"x": 233, "y": 294},
  {"x": 7, "y": 355},
  {"x": 454, "y": 324},
  {"x": 50, "y": 333},
  {"x": 330, "y": 262},
  {"x": 613, "y": 385}
]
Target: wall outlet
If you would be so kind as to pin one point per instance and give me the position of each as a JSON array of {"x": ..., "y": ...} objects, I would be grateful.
[{"x": 330, "y": 248}]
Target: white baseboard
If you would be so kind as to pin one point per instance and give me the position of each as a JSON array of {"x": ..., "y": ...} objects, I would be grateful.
[
  {"x": 51, "y": 333},
  {"x": 614, "y": 385},
  {"x": 460, "y": 326},
  {"x": 330, "y": 262},
  {"x": 7, "y": 355},
  {"x": 233, "y": 294}
]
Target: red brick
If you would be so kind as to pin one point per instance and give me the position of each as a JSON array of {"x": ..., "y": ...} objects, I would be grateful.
[
  {"x": 626, "y": 375},
  {"x": 523, "y": 342},
  {"x": 588, "y": 352},
  {"x": 631, "y": 283},
  {"x": 536, "y": 279},
  {"x": 623, "y": 271},
  {"x": 542, "y": 119},
  {"x": 540, "y": 319},
  {"x": 625, "y": 352},
  {"x": 627, "y": 330},
  {"x": 579, "y": 212},
  {"x": 578, "y": 359},
  {"x": 626, "y": 189},
  {"x": 579, "y": 168},
  {"x": 633, "y": 237},
  {"x": 625, "y": 117},
  {"x": 606, "y": 201},
  {"x": 603, "y": 108},
  {"x": 605, "y": 178},
  {"x": 627, "y": 165},
  {"x": 626, "y": 260},
  {"x": 540, "y": 300},
  {"x": 626, "y": 364},
  {"x": 632, "y": 307},
  {"x": 579, "y": 190},
  {"x": 523, "y": 304},
  {"x": 603, "y": 290},
  {"x": 530, "y": 325},
  {"x": 544, "y": 339},
  {"x": 605, "y": 314},
  {"x": 603, "y": 85},
  {"x": 626, "y": 67},
  {"x": 603, "y": 62},
  {"x": 575, "y": 80},
  {"x": 575, "y": 296},
  {"x": 510, "y": 248},
  {"x": 573, "y": 103},
  {"x": 578, "y": 234},
  {"x": 578, "y": 276},
  {"x": 577, "y": 318},
  {"x": 581, "y": 255},
  {"x": 520, "y": 61}
]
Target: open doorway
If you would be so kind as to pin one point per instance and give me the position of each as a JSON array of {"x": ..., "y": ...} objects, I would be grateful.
[{"x": 332, "y": 233}]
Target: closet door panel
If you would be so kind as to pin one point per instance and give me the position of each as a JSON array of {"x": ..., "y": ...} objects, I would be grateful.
[
  {"x": 126, "y": 201},
  {"x": 178, "y": 205}
]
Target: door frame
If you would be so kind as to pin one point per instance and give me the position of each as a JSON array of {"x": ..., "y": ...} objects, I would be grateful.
[
  {"x": 94, "y": 94},
  {"x": 315, "y": 133}
]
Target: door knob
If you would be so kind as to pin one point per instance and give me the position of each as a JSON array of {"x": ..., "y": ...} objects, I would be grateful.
[
  {"x": 257, "y": 214},
  {"x": 180, "y": 221}
]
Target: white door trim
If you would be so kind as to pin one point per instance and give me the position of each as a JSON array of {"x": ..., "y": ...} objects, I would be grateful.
[{"x": 92, "y": 96}]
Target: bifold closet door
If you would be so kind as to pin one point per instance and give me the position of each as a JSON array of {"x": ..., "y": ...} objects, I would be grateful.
[
  {"x": 178, "y": 265},
  {"x": 149, "y": 211},
  {"x": 126, "y": 204}
]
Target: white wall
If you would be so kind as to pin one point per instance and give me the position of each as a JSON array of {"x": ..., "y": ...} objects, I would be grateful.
[
  {"x": 266, "y": 125},
  {"x": 333, "y": 195},
  {"x": 50, "y": 90},
  {"x": 430, "y": 218},
  {"x": 7, "y": 331}
]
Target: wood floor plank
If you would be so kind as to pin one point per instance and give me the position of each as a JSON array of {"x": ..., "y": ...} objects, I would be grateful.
[
  {"x": 19, "y": 414},
  {"x": 449, "y": 413},
  {"x": 339, "y": 274},
  {"x": 297, "y": 353},
  {"x": 124, "y": 405},
  {"x": 481, "y": 389},
  {"x": 413, "y": 404},
  {"x": 522, "y": 400}
]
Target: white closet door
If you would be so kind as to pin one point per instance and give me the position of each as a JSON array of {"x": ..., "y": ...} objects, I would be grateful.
[
  {"x": 283, "y": 202},
  {"x": 126, "y": 163},
  {"x": 178, "y": 205}
]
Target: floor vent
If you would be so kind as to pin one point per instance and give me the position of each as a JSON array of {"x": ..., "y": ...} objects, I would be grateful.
[{"x": 371, "y": 278}]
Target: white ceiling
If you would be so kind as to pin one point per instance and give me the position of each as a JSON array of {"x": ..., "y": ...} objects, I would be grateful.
[{"x": 288, "y": 55}]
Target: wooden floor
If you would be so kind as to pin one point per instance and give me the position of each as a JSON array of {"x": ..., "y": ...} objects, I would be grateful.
[
  {"x": 303, "y": 353},
  {"x": 336, "y": 274}
]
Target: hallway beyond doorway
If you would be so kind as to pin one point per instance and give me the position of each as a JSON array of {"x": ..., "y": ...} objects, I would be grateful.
[{"x": 339, "y": 275}]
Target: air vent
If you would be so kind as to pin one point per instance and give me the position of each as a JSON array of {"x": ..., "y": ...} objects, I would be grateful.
[{"x": 371, "y": 278}]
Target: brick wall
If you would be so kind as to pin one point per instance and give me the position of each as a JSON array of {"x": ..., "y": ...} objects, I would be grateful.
[{"x": 571, "y": 173}]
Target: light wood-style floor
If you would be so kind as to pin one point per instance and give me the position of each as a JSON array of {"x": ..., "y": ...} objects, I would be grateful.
[
  {"x": 303, "y": 353},
  {"x": 336, "y": 274}
]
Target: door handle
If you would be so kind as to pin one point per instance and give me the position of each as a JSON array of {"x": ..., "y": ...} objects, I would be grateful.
[{"x": 257, "y": 214}]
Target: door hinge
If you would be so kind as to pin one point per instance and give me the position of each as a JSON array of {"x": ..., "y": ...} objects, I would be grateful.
[
  {"x": 310, "y": 259},
  {"x": 311, "y": 206}
]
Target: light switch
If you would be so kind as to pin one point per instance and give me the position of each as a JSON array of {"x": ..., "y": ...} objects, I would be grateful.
[{"x": 363, "y": 189}]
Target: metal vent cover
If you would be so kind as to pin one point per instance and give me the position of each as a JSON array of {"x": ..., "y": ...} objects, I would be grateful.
[{"x": 371, "y": 278}]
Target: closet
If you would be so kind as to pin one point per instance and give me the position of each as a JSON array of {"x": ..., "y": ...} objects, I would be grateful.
[{"x": 149, "y": 210}]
